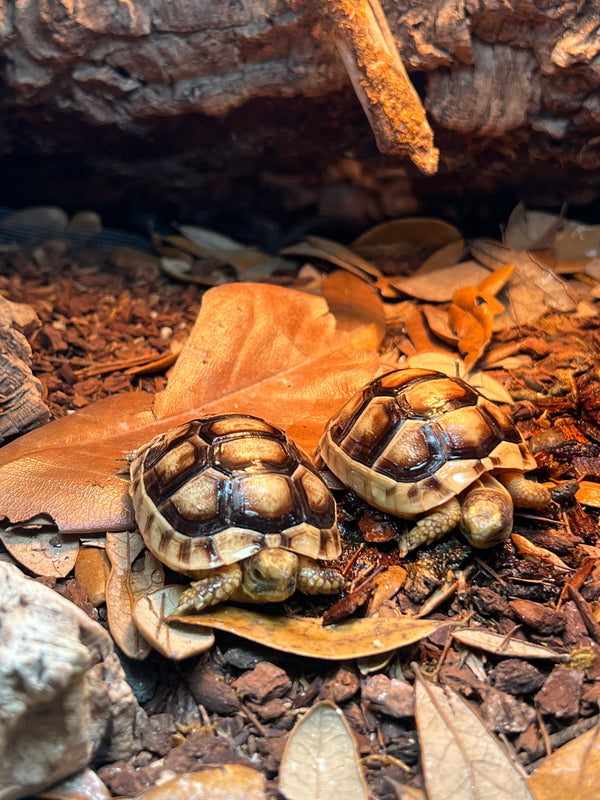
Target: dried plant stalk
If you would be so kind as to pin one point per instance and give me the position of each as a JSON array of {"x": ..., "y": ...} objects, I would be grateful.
[{"x": 393, "y": 108}]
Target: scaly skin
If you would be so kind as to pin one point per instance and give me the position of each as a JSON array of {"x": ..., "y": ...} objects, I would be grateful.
[
  {"x": 314, "y": 579},
  {"x": 525, "y": 493},
  {"x": 271, "y": 575},
  {"x": 218, "y": 586},
  {"x": 432, "y": 527}
]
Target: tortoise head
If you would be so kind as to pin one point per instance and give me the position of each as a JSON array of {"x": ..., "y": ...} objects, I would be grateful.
[
  {"x": 487, "y": 514},
  {"x": 270, "y": 575}
]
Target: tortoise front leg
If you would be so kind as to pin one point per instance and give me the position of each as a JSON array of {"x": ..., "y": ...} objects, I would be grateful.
[
  {"x": 432, "y": 526},
  {"x": 314, "y": 579},
  {"x": 214, "y": 588}
]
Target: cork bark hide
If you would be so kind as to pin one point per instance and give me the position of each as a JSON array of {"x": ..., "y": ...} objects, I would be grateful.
[{"x": 164, "y": 95}]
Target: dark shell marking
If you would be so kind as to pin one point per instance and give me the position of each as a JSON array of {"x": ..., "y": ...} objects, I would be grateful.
[
  {"x": 214, "y": 491},
  {"x": 413, "y": 438}
]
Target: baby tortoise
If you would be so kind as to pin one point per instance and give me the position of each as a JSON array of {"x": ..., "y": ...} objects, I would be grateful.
[
  {"x": 231, "y": 501},
  {"x": 417, "y": 442}
]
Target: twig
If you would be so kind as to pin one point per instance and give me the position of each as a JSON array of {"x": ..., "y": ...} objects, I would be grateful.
[{"x": 393, "y": 107}]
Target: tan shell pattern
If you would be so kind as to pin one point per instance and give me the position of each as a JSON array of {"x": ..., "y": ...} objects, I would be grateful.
[
  {"x": 216, "y": 490},
  {"x": 414, "y": 438}
]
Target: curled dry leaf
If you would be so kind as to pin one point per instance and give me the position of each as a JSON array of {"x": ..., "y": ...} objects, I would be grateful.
[
  {"x": 306, "y": 636},
  {"x": 122, "y": 550},
  {"x": 321, "y": 759},
  {"x": 461, "y": 758},
  {"x": 572, "y": 771},
  {"x": 472, "y": 311},
  {"x": 532, "y": 552},
  {"x": 150, "y": 613},
  {"x": 225, "y": 782},
  {"x": 533, "y": 289},
  {"x": 386, "y": 586},
  {"x": 255, "y": 349},
  {"x": 40, "y": 547},
  {"x": 491, "y": 642}
]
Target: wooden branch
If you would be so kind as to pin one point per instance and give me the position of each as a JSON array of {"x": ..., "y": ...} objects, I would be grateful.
[{"x": 393, "y": 107}]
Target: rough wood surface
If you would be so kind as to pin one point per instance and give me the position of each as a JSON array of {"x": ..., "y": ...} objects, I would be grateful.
[{"x": 508, "y": 87}]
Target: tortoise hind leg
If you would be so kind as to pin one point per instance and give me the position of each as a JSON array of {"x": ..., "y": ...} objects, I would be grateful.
[
  {"x": 314, "y": 579},
  {"x": 431, "y": 527},
  {"x": 214, "y": 588}
]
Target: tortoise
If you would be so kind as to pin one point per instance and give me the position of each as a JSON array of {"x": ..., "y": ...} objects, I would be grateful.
[
  {"x": 417, "y": 443},
  {"x": 232, "y": 502}
]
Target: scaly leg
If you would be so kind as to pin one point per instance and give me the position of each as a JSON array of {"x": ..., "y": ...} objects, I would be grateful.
[
  {"x": 214, "y": 588},
  {"x": 314, "y": 579},
  {"x": 431, "y": 527}
]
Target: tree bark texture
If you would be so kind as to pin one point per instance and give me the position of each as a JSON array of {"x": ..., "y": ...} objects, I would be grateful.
[{"x": 511, "y": 89}]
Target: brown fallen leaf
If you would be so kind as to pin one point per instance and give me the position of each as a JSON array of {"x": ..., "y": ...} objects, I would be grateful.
[
  {"x": 321, "y": 759},
  {"x": 529, "y": 229},
  {"x": 386, "y": 586},
  {"x": 533, "y": 289},
  {"x": 122, "y": 550},
  {"x": 176, "y": 642},
  {"x": 410, "y": 239},
  {"x": 572, "y": 771},
  {"x": 38, "y": 546},
  {"x": 92, "y": 569},
  {"x": 532, "y": 552},
  {"x": 306, "y": 636},
  {"x": 588, "y": 493},
  {"x": 255, "y": 348},
  {"x": 499, "y": 645},
  {"x": 224, "y": 782},
  {"x": 440, "y": 285},
  {"x": 472, "y": 311},
  {"x": 354, "y": 303},
  {"x": 461, "y": 758}
]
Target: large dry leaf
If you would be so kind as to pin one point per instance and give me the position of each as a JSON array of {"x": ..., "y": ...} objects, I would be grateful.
[
  {"x": 572, "y": 771},
  {"x": 306, "y": 636},
  {"x": 412, "y": 238},
  {"x": 531, "y": 230},
  {"x": 255, "y": 349},
  {"x": 440, "y": 285},
  {"x": 176, "y": 642},
  {"x": 461, "y": 758},
  {"x": 354, "y": 303},
  {"x": 321, "y": 760},
  {"x": 224, "y": 782}
]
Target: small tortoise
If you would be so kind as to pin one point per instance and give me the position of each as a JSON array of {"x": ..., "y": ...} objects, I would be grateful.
[
  {"x": 231, "y": 501},
  {"x": 412, "y": 441}
]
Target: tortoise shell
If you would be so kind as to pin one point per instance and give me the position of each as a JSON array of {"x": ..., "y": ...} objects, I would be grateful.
[
  {"x": 214, "y": 491},
  {"x": 414, "y": 438}
]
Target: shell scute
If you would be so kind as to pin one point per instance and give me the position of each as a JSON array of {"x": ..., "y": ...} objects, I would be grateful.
[
  {"x": 215, "y": 490},
  {"x": 414, "y": 438}
]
